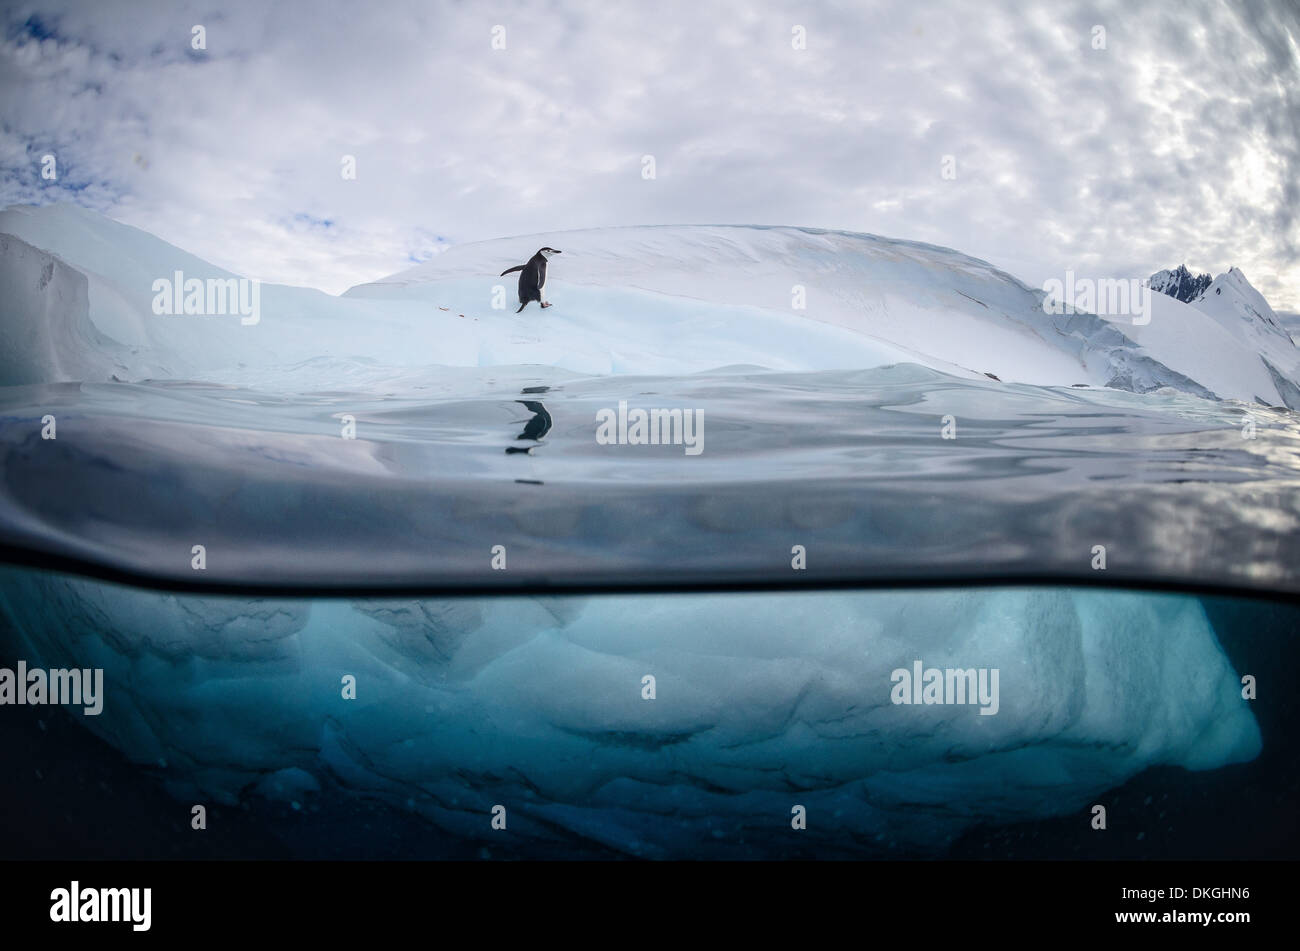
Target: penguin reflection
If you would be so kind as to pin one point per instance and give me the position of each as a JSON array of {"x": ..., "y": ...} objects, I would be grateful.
[{"x": 536, "y": 427}]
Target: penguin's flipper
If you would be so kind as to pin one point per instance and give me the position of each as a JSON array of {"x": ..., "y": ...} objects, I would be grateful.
[{"x": 517, "y": 267}]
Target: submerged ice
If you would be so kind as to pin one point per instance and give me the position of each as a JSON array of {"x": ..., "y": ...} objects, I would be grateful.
[{"x": 758, "y": 703}]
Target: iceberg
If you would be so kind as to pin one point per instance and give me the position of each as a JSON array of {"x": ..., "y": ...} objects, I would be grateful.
[
  {"x": 631, "y": 300},
  {"x": 760, "y": 703},
  {"x": 317, "y": 507}
]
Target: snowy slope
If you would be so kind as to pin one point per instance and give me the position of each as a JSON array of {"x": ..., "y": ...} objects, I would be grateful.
[
  {"x": 937, "y": 307},
  {"x": 1232, "y": 299},
  {"x": 1228, "y": 358},
  {"x": 1214, "y": 334},
  {"x": 631, "y": 300},
  {"x": 1241, "y": 310}
]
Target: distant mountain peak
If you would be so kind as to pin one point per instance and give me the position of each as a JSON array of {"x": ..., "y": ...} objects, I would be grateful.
[
  {"x": 1180, "y": 283},
  {"x": 1230, "y": 299}
]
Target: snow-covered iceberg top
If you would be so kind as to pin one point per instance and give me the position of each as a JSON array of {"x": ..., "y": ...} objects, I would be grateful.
[{"x": 632, "y": 300}]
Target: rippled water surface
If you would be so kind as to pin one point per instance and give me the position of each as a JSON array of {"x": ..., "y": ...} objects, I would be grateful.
[{"x": 854, "y": 466}]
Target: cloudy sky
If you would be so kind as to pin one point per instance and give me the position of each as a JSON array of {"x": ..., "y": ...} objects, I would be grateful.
[{"x": 1179, "y": 141}]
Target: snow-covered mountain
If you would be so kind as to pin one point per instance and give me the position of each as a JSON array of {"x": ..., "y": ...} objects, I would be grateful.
[
  {"x": 1227, "y": 297},
  {"x": 1180, "y": 283},
  {"x": 1231, "y": 295},
  {"x": 79, "y": 290},
  {"x": 1242, "y": 312}
]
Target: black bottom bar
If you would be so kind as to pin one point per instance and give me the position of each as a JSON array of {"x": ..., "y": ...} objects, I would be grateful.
[{"x": 541, "y": 901}]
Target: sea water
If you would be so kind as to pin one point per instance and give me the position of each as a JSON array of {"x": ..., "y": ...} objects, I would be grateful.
[
  {"x": 507, "y": 478},
  {"x": 883, "y": 613}
]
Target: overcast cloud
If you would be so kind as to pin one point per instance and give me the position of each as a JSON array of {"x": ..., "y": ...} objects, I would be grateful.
[{"x": 1178, "y": 142}]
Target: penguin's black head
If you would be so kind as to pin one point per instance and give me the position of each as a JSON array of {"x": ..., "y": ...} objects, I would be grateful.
[{"x": 547, "y": 252}]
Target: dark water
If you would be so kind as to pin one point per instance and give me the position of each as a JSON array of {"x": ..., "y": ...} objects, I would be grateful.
[{"x": 853, "y": 466}]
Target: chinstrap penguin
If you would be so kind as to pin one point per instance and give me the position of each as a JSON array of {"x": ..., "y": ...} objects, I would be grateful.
[{"x": 532, "y": 278}]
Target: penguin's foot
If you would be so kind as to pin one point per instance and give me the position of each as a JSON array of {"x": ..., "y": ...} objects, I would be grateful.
[{"x": 547, "y": 304}]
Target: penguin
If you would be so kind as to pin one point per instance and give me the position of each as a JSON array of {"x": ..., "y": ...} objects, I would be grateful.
[{"x": 532, "y": 278}]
